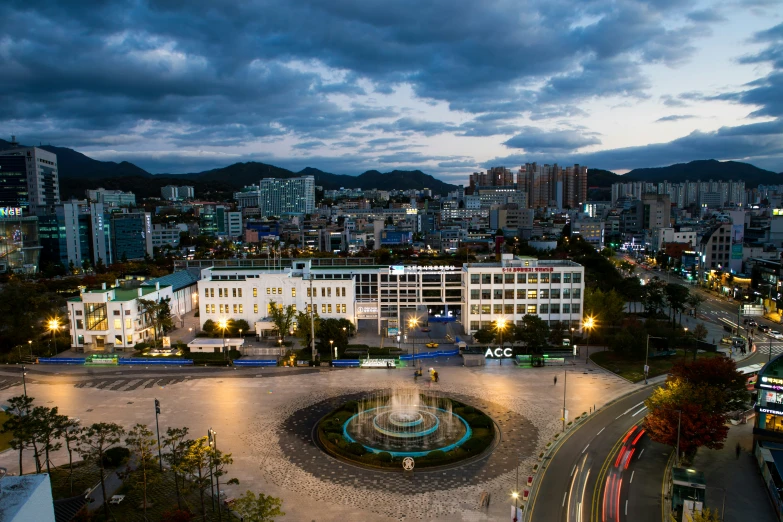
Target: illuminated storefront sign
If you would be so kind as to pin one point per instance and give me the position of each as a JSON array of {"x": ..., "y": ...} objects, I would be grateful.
[
  {"x": 545, "y": 269},
  {"x": 378, "y": 363},
  {"x": 772, "y": 409},
  {"x": 771, "y": 383},
  {"x": 10, "y": 212}
]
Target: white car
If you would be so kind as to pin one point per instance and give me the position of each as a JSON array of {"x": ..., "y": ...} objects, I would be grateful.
[{"x": 775, "y": 334}]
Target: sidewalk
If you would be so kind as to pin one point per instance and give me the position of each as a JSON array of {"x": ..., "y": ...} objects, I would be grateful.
[{"x": 745, "y": 489}]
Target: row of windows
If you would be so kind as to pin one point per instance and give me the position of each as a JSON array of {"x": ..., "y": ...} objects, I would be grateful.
[
  {"x": 117, "y": 324},
  {"x": 237, "y": 292},
  {"x": 499, "y": 279},
  {"x": 510, "y": 309},
  {"x": 519, "y": 293},
  {"x": 240, "y": 309},
  {"x": 477, "y": 325}
]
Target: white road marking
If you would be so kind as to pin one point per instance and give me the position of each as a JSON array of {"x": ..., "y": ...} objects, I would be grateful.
[
  {"x": 572, "y": 471},
  {"x": 640, "y": 454},
  {"x": 626, "y": 508},
  {"x": 631, "y": 408},
  {"x": 588, "y": 445},
  {"x": 602, "y": 429},
  {"x": 631, "y": 481},
  {"x": 638, "y": 412},
  {"x": 564, "y": 498}
]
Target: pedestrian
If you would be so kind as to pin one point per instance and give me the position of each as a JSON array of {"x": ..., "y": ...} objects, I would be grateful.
[
  {"x": 738, "y": 450},
  {"x": 555, "y": 384}
]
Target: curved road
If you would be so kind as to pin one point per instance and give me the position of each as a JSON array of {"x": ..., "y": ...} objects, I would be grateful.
[{"x": 601, "y": 472}]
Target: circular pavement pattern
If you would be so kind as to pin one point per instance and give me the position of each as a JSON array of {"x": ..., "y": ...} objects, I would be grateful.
[{"x": 288, "y": 457}]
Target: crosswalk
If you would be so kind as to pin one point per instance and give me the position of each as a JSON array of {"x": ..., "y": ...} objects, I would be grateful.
[
  {"x": 130, "y": 384},
  {"x": 6, "y": 383}
]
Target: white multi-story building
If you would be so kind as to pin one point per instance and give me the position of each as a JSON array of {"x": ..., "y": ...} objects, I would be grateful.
[
  {"x": 114, "y": 198},
  {"x": 175, "y": 193},
  {"x": 111, "y": 319},
  {"x": 167, "y": 234},
  {"x": 279, "y": 196},
  {"x": 475, "y": 294}
]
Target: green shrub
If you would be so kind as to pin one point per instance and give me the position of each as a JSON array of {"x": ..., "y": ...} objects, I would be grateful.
[
  {"x": 473, "y": 445},
  {"x": 356, "y": 449},
  {"x": 351, "y": 406},
  {"x": 384, "y": 456},
  {"x": 115, "y": 456},
  {"x": 436, "y": 455}
]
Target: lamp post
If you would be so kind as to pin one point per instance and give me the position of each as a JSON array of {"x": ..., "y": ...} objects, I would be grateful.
[
  {"x": 54, "y": 326},
  {"x": 515, "y": 496},
  {"x": 588, "y": 323},
  {"x": 679, "y": 423},
  {"x": 30, "y": 344},
  {"x": 500, "y": 325},
  {"x": 223, "y": 324},
  {"x": 24, "y": 381},
  {"x": 412, "y": 324},
  {"x": 565, "y": 385},
  {"x": 331, "y": 345},
  {"x": 213, "y": 444},
  {"x": 157, "y": 428}
]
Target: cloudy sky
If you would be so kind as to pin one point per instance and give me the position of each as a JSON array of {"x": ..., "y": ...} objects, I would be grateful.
[{"x": 447, "y": 86}]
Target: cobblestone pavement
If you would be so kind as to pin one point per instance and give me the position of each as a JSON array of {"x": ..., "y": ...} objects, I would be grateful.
[{"x": 253, "y": 415}]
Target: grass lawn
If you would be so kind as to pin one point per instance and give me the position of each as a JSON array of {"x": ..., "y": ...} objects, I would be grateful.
[
  {"x": 633, "y": 369},
  {"x": 5, "y": 438}
]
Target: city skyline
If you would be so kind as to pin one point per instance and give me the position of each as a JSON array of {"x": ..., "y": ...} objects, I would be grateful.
[{"x": 446, "y": 90}]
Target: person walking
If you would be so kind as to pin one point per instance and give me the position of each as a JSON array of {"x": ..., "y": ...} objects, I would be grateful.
[{"x": 555, "y": 383}]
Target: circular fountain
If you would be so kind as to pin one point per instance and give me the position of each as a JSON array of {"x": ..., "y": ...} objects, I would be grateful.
[{"x": 406, "y": 422}]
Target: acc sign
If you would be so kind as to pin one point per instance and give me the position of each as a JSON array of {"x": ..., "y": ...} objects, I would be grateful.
[
  {"x": 407, "y": 463},
  {"x": 499, "y": 352}
]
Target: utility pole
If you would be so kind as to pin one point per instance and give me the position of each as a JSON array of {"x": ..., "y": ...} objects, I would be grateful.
[
  {"x": 646, "y": 355},
  {"x": 565, "y": 385},
  {"x": 213, "y": 442},
  {"x": 157, "y": 428},
  {"x": 679, "y": 423},
  {"x": 24, "y": 382},
  {"x": 312, "y": 316}
]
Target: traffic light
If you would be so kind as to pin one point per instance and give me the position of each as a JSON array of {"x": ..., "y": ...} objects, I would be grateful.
[{"x": 157, "y": 407}]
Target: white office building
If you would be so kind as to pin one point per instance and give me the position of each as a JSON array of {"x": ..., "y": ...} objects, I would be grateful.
[
  {"x": 175, "y": 193},
  {"x": 111, "y": 319},
  {"x": 475, "y": 294}
]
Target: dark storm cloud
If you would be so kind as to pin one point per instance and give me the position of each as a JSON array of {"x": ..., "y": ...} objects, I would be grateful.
[
  {"x": 202, "y": 73},
  {"x": 532, "y": 139}
]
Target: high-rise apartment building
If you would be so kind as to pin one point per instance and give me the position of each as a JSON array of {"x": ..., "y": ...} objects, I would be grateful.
[
  {"x": 29, "y": 179},
  {"x": 493, "y": 177},
  {"x": 714, "y": 194},
  {"x": 280, "y": 196},
  {"x": 553, "y": 186},
  {"x": 174, "y": 193}
]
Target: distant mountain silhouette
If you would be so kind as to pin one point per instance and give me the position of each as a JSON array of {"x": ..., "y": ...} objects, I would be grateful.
[{"x": 706, "y": 170}]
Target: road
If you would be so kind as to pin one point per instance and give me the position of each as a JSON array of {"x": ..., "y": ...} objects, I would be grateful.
[{"x": 599, "y": 453}]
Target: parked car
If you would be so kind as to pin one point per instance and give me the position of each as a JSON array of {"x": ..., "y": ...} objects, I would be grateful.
[
  {"x": 775, "y": 334},
  {"x": 764, "y": 328}
]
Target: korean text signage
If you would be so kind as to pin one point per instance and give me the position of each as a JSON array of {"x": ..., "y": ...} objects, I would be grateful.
[
  {"x": 378, "y": 363},
  {"x": 544, "y": 269},
  {"x": 771, "y": 383},
  {"x": 10, "y": 212}
]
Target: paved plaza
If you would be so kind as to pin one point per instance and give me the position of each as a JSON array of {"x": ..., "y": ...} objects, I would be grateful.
[{"x": 264, "y": 417}]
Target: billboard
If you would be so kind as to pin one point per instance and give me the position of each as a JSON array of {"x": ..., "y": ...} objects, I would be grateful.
[{"x": 752, "y": 309}]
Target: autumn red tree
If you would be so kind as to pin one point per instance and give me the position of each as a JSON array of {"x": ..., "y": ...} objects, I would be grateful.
[{"x": 698, "y": 396}]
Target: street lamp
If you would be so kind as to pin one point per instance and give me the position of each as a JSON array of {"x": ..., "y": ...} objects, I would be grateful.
[
  {"x": 331, "y": 345},
  {"x": 223, "y": 325},
  {"x": 500, "y": 325},
  {"x": 589, "y": 323},
  {"x": 30, "y": 344},
  {"x": 413, "y": 322},
  {"x": 54, "y": 326},
  {"x": 515, "y": 496}
]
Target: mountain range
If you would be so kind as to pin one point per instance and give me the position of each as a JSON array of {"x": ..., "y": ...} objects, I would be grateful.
[{"x": 79, "y": 172}]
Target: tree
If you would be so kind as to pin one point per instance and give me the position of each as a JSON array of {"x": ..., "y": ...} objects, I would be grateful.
[
  {"x": 158, "y": 315},
  {"x": 93, "y": 443},
  {"x": 654, "y": 297},
  {"x": 720, "y": 374},
  {"x": 70, "y": 430},
  {"x": 176, "y": 442},
  {"x": 303, "y": 326},
  {"x": 282, "y": 318},
  {"x": 608, "y": 306},
  {"x": 258, "y": 508},
  {"x": 47, "y": 431},
  {"x": 209, "y": 326},
  {"x": 19, "y": 424},
  {"x": 141, "y": 443},
  {"x": 484, "y": 335},
  {"x": 195, "y": 462},
  {"x": 533, "y": 332},
  {"x": 676, "y": 297},
  {"x": 238, "y": 324},
  {"x": 332, "y": 330},
  {"x": 694, "y": 301},
  {"x": 700, "y": 332}
]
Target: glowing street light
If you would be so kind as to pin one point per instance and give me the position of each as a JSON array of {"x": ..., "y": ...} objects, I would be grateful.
[
  {"x": 413, "y": 323},
  {"x": 223, "y": 325},
  {"x": 589, "y": 323},
  {"x": 500, "y": 325},
  {"x": 54, "y": 326},
  {"x": 331, "y": 344}
]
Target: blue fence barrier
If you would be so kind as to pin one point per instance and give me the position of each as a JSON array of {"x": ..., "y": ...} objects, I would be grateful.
[
  {"x": 431, "y": 355},
  {"x": 442, "y": 319},
  {"x": 346, "y": 363},
  {"x": 255, "y": 362},
  {"x": 60, "y": 360},
  {"x": 159, "y": 362}
]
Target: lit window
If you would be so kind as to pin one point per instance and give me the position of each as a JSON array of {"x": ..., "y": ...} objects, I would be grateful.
[
  {"x": 309, "y": 309},
  {"x": 280, "y": 291},
  {"x": 268, "y": 291},
  {"x": 255, "y": 292},
  {"x": 239, "y": 292},
  {"x": 532, "y": 294},
  {"x": 323, "y": 308},
  {"x": 293, "y": 307},
  {"x": 234, "y": 292},
  {"x": 117, "y": 324},
  {"x": 329, "y": 292},
  {"x": 241, "y": 309},
  {"x": 330, "y": 307},
  {"x": 485, "y": 309},
  {"x": 293, "y": 292},
  {"x": 308, "y": 292},
  {"x": 531, "y": 309},
  {"x": 274, "y": 291},
  {"x": 128, "y": 323},
  {"x": 532, "y": 278},
  {"x": 255, "y": 308}
]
